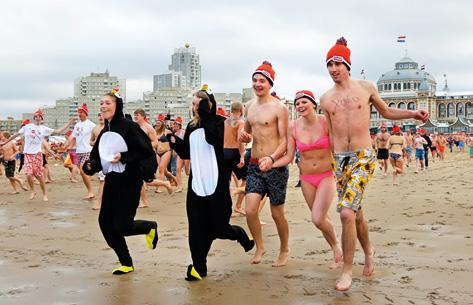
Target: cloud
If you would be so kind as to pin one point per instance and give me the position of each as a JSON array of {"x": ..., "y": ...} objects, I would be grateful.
[{"x": 48, "y": 44}]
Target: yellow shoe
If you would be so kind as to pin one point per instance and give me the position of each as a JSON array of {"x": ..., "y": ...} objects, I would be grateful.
[
  {"x": 152, "y": 237},
  {"x": 123, "y": 270},
  {"x": 192, "y": 274}
]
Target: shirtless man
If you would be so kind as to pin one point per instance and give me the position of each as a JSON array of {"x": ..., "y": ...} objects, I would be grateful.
[
  {"x": 267, "y": 120},
  {"x": 382, "y": 147},
  {"x": 233, "y": 150},
  {"x": 409, "y": 147},
  {"x": 9, "y": 162},
  {"x": 347, "y": 109},
  {"x": 140, "y": 119},
  {"x": 93, "y": 138}
]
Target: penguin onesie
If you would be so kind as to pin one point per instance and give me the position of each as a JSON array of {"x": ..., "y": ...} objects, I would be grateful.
[
  {"x": 208, "y": 202},
  {"x": 123, "y": 182}
]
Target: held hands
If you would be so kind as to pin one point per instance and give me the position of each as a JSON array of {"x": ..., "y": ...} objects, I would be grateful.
[
  {"x": 117, "y": 158},
  {"x": 265, "y": 164},
  {"x": 421, "y": 115},
  {"x": 244, "y": 137},
  {"x": 242, "y": 162}
]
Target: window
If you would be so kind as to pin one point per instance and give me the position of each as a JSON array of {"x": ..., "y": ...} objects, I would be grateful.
[
  {"x": 451, "y": 110},
  {"x": 442, "y": 111},
  {"x": 411, "y": 106},
  {"x": 373, "y": 113},
  {"x": 460, "y": 110},
  {"x": 401, "y": 105},
  {"x": 392, "y": 105},
  {"x": 469, "y": 110}
]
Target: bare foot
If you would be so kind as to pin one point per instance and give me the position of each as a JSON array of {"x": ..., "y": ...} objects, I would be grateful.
[
  {"x": 33, "y": 194},
  {"x": 282, "y": 259},
  {"x": 258, "y": 256},
  {"x": 337, "y": 258},
  {"x": 169, "y": 187},
  {"x": 24, "y": 187},
  {"x": 343, "y": 282},
  {"x": 143, "y": 205},
  {"x": 158, "y": 190},
  {"x": 239, "y": 211},
  {"x": 369, "y": 264},
  {"x": 178, "y": 190},
  {"x": 96, "y": 206},
  {"x": 73, "y": 180},
  {"x": 88, "y": 197},
  {"x": 15, "y": 192},
  {"x": 45, "y": 198},
  {"x": 47, "y": 181}
]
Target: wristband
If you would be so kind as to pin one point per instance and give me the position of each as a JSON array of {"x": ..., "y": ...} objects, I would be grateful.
[{"x": 272, "y": 159}]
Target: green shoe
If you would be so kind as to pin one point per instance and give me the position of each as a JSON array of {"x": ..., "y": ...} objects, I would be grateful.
[
  {"x": 152, "y": 237},
  {"x": 123, "y": 270}
]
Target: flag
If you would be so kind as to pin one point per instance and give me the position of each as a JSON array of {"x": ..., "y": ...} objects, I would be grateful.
[{"x": 401, "y": 38}]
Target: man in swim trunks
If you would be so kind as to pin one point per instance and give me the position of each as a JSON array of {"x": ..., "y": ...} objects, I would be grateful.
[
  {"x": 409, "y": 144},
  {"x": 266, "y": 122},
  {"x": 382, "y": 147},
  {"x": 233, "y": 150},
  {"x": 347, "y": 109},
  {"x": 9, "y": 162}
]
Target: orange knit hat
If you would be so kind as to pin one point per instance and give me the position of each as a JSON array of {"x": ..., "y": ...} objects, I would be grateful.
[
  {"x": 266, "y": 69},
  {"x": 307, "y": 94},
  {"x": 84, "y": 109},
  {"x": 340, "y": 53}
]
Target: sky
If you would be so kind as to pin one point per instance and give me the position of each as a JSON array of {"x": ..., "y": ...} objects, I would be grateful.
[{"x": 46, "y": 45}]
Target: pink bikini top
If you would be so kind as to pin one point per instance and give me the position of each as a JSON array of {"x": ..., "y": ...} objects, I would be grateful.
[{"x": 321, "y": 143}]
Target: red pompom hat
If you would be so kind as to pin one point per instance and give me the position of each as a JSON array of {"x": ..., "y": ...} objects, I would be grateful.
[
  {"x": 161, "y": 117},
  {"x": 266, "y": 69},
  {"x": 274, "y": 94},
  {"x": 221, "y": 111},
  {"x": 340, "y": 53},
  {"x": 396, "y": 129},
  {"x": 307, "y": 94},
  {"x": 38, "y": 113},
  {"x": 178, "y": 120},
  {"x": 84, "y": 108}
]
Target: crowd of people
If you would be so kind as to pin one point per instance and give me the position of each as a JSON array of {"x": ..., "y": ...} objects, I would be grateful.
[{"x": 253, "y": 143}]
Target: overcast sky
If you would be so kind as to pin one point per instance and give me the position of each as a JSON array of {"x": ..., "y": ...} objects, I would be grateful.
[{"x": 45, "y": 45}]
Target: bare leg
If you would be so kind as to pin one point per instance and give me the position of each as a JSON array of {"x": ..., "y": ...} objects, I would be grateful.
[
  {"x": 277, "y": 212},
  {"x": 241, "y": 196},
  {"x": 88, "y": 186},
  {"x": 363, "y": 237},
  {"x": 347, "y": 217},
  {"x": 98, "y": 201},
  {"x": 252, "y": 219},
  {"x": 30, "y": 180},
  {"x": 13, "y": 184},
  {"x": 144, "y": 198},
  {"x": 319, "y": 201}
]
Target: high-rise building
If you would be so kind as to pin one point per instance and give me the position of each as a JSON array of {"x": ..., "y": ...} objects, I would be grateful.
[
  {"x": 171, "y": 79},
  {"x": 168, "y": 101},
  {"x": 187, "y": 61},
  {"x": 96, "y": 85}
]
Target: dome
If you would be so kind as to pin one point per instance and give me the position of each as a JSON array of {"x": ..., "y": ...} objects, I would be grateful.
[{"x": 408, "y": 70}]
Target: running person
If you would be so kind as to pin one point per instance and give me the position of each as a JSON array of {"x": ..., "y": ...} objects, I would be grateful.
[
  {"x": 34, "y": 134},
  {"x": 119, "y": 152},
  {"x": 309, "y": 134},
  {"x": 347, "y": 109},
  {"x": 396, "y": 146},
  {"x": 266, "y": 122},
  {"x": 382, "y": 148},
  {"x": 9, "y": 162}
]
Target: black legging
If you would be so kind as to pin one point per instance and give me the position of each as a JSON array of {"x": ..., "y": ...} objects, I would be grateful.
[
  {"x": 121, "y": 196},
  {"x": 208, "y": 220},
  {"x": 22, "y": 161}
]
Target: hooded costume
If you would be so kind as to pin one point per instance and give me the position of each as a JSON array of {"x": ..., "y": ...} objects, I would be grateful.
[
  {"x": 208, "y": 202},
  {"x": 123, "y": 183}
]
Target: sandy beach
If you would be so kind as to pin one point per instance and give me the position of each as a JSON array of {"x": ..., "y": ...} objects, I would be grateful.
[{"x": 54, "y": 253}]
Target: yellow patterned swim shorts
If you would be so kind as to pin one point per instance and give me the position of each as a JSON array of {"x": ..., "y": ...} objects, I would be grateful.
[{"x": 353, "y": 171}]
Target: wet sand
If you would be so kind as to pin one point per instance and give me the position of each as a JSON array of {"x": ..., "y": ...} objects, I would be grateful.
[{"x": 54, "y": 253}]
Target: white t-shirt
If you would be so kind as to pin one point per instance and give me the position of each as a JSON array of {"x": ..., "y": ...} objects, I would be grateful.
[
  {"x": 81, "y": 133},
  {"x": 34, "y": 136}
]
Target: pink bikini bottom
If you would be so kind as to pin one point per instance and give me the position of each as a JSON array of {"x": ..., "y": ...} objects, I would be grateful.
[{"x": 315, "y": 179}]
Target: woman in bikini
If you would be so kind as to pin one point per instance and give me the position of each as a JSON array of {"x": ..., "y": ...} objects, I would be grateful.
[
  {"x": 396, "y": 146},
  {"x": 316, "y": 171},
  {"x": 163, "y": 150}
]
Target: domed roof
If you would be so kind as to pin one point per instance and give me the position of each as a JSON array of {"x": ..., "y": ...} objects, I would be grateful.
[{"x": 406, "y": 69}]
